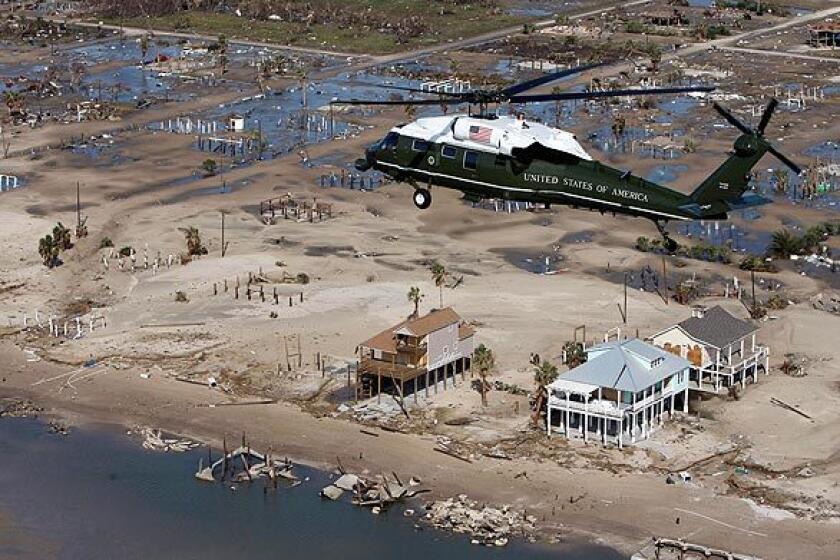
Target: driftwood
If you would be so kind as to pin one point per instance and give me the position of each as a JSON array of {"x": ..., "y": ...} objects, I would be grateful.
[
  {"x": 452, "y": 454},
  {"x": 790, "y": 407}
]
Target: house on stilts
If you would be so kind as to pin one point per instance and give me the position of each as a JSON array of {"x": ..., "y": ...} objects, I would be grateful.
[
  {"x": 417, "y": 354},
  {"x": 620, "y": 394},
  {"x": 722, "y": 349}
]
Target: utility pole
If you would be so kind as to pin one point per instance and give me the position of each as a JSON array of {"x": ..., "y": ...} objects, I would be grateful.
[
  {"x": 622, "y": 310},
  {"x": 78, "y": 206},
  {"x": 223, "y": 235}
]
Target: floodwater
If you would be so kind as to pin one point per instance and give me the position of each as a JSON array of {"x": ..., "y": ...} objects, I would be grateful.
[{"x": 97, "y": 495}]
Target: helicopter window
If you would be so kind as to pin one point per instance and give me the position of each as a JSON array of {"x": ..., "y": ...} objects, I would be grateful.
[
  {"x": 390, "y": 140},
  {"x": 450, "y": 152},
  {"x": 420, "y": 146},
  {"x": 470, "y": 160}
]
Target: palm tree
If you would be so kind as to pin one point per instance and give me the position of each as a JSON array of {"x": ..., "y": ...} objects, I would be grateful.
[
  {"x": 61, "y": 237},
  {"x": 484, "y": 361},
  {"x": 784, "y": 244},
  {"x": 14, "y": 101},
  {"x": 439, "y": 275},
  {"x": 48, "y": 249},
  {"x": 575, "y": 355},
  {"x": 193, "y": 238},
  {"x": 415, "y": 296},
  {"x": 544, "y": 374}
]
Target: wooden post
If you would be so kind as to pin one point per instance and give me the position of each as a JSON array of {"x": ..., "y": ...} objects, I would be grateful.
[
  {"x": 665, "y": 279},
  {"x": 427, "y": 383},
  {"x": 415, "y": 390},
  {"x": 262, "y": 294},
  {"x": 276, "y": 297},
  {"x": 215, "y": 289},
  {"x": 226, "y": 286},
  {"x": 752, "y": 278},
  {"x": 378, "y": 385}
]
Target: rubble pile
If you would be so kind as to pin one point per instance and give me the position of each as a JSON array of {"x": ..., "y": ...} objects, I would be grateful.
[
  {"x": 20, "y": 409},
  {"x": 487, "y": 525},
  {"x": 153, "y": 440},
  {"x": 371, "y": 411},
  {"x": 826, "y": 302},
  {"x": 374, "y": 494}
]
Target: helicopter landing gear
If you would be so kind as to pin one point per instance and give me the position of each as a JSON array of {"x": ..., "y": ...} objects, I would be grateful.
[
  {"x": 422, "y": 198},
  {"x": 670, "y": 245}
]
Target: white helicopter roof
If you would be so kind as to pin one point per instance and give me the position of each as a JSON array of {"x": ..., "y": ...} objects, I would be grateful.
[{"x": 497, "y": 135}]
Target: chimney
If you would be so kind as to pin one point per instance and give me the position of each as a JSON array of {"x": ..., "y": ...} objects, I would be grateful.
[{"x": 698, "y": 311}]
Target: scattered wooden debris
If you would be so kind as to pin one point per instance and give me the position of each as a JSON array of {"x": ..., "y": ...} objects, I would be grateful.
[
  {"x": 154, "y": 440},
  {"x": 790, "y": 407}
]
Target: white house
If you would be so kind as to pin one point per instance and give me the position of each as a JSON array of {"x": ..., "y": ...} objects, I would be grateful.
[
  {"x": 722, "y": 349},
  {"x": 622, "y": 391}
]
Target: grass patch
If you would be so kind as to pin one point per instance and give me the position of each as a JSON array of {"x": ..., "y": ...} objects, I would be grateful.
[{"x": 451, "y": 24}]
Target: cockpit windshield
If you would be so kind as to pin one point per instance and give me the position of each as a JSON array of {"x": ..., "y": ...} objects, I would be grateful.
[{"x": 390, "y": 141}]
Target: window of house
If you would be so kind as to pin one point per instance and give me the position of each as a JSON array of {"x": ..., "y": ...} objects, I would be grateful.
[
  {"x": 470, "y": 160},
  {"x": 420, "y": 146},
  {"x": 449, "y": 152}
]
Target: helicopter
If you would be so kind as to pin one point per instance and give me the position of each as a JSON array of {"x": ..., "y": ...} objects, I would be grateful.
[{"x": 488, "y": 155}]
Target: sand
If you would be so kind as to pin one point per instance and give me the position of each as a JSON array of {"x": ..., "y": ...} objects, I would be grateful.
[{"x": 361, "y": 264}]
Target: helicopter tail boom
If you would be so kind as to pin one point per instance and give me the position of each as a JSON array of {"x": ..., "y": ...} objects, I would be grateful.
[{"x": 726, "y": 188}]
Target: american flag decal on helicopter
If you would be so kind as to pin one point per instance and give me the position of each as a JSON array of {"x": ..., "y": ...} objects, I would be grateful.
[{"x": 481, "y": 134}]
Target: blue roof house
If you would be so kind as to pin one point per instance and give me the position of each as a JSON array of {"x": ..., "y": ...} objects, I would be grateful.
[{"x": 622, "y": 392}]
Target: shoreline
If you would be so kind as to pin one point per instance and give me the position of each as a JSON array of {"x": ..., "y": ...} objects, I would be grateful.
[
  {"x": 321, "y": 442},
  {"x": 87, "y": 419}
]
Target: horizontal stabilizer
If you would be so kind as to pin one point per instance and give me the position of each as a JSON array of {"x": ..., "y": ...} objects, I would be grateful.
[
  {"x": 748, "y": 200},
  {"x": 694, "y": 209}
]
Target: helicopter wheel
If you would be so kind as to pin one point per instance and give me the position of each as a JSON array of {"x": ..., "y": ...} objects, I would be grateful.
[{"x": 422, "y": 198}]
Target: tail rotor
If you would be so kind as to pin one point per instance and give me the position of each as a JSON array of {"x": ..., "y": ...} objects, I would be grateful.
[{"x": 758, "y": 132}]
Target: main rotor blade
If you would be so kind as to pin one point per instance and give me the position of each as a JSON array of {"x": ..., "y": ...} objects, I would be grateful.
[
  {"x": 397, "y": 102},
  {"x": 784, "y": 159},
  {"x": 599, "y": 94},
  {"x": 417, "y": 90},
  {"x": 730, "y": 118},
  {"x": 531, "y": 84},
  {"x": 768, "y": 112}
]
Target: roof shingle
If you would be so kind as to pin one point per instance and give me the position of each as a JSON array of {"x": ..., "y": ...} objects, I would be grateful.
[{"x": 717, "y": 327}]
